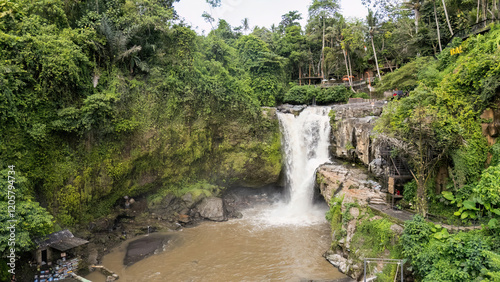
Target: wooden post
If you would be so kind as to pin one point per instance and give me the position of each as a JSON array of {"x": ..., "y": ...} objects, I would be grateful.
[
  {"x": 300, "y": 76},
  {"x": 309, "y": 73}
]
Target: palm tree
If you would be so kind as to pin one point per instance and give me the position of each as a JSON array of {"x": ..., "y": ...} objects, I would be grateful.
[
  {"x": 116, "y": 48},
  {"x": 372, "y": 22},
  {"x": 415, "y": 5},
  {"x": 322, "y": 9},
  {"x": 244, "y": 24},
  {"x": 208, "y": 18}
]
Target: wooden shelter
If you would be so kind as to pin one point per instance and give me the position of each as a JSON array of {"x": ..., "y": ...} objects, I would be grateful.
[{"x": 56, "y": 243}]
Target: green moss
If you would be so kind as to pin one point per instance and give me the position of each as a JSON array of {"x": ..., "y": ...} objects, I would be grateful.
[
  {"x": 375, "y": 239},
  {"x": 333, "y": 123},
  {"x": 171, "y": 159},
  {"x": 349, "y": 146},
  {"x": 334, "y": 216}
]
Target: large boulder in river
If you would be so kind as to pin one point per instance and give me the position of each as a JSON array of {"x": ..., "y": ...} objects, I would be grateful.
[
  {"x": 145, "y": 247},
  {"x": 212, "y": 208}
]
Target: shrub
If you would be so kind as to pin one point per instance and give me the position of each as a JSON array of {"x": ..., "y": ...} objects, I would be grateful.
[
  {"x": 436, "y": 255},
  {"x": 361, "y": 95},
  {"x": 299, "y": 95},
  {"x": 336, "y": 94},
  {"x": 307, "y": 93}
]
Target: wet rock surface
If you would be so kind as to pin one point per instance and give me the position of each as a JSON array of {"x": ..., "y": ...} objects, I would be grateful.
[
  {"x": 171, "y": 213},
  {"x": 358, "y": 189},
  {"x": 353, "y": 182},
  {"x": 144, "y": 247},
  {"x": 337, "y": 260},
  {"x": 291, "y": 109}
]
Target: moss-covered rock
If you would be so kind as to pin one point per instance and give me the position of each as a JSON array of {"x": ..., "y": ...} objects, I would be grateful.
[{"x": 176, "y": 157}]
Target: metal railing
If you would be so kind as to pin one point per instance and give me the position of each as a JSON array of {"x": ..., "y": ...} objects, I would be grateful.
[
  {"x": 400, "y": 262},
  {"x": 472, "y": 29},
  {"x": 346, "y": 83}
]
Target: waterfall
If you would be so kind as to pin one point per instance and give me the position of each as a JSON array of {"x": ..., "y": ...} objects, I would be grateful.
[
  {"x": 306, "y": 142},
  {"x": 305, "y": 146}
]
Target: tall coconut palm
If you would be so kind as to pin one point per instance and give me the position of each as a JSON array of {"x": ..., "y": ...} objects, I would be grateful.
[
  {"x": 245, "y": 25},
  {"x": 415, "y": 5},
  {"x": 371, "y": 19}
]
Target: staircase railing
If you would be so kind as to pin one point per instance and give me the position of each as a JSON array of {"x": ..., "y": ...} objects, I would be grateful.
[{"x": 472, "y": 29}]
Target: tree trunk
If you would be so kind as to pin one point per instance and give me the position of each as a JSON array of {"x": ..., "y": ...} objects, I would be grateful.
[
  {"x": 350, "y": 69},
  {"x": 376, "y": 60},
  {"x": 497, "y": 15},
  {"x": 417, "y": 18},
  {"x": 495, "y": 10},
  {"x": 323, "y": 52},
  {"x": 447, "y": 19},
  {"x": 421, "y": 194},
  {"x": 477, "y": 11},
  {"x": 437, "y": 27},
  {"x": 484, "y": 9},
  {"x": 498, "y": 9},
  {"x": 347, "y": 66},
  {"x": 389, "y": 64}
]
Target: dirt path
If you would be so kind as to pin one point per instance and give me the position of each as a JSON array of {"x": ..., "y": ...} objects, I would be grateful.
[{"x": 401, "y": 216}]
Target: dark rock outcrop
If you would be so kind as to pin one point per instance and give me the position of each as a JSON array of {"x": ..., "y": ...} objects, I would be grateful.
[{"x": 144, "y": 247}]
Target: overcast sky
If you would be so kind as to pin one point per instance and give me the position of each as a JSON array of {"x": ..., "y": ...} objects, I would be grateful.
[{"x": 259, "y": 12}]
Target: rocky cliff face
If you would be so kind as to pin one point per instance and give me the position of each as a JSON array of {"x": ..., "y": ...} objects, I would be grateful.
[
  {"x": 352, "y": 126},
  {"x": 350, "y": 189},
  {"x": 353, "y": 183},
  {"x": 355, "y": 228},
  {"x": 491, "y": 128}
]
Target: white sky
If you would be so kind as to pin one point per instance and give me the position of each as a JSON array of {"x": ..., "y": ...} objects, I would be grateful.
[{"x": 259, "y": 12}]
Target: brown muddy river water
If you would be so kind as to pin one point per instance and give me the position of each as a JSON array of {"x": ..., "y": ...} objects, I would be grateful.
[{"x": 262, "y": 246}]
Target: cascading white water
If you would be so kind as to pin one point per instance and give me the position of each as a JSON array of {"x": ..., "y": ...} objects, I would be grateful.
[{"x": 305, "y": 142}]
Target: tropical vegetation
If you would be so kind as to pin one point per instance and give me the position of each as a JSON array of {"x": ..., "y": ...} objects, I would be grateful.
[{"x": 102, "y": 99}]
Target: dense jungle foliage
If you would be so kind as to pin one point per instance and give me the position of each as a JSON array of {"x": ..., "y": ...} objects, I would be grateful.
[
  {"x": 102, "y": 99},
  {"x": 440, "y": 126}
]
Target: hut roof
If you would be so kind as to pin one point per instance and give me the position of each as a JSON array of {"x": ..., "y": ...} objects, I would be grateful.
[{"x": 62, "y": 241}]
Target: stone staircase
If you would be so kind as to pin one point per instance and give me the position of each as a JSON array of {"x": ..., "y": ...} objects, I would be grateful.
[{"x": 377, "y": 200}]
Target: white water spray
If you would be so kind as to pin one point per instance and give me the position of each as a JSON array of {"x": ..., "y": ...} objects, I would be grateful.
[{"x": 305, "y": 142}]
